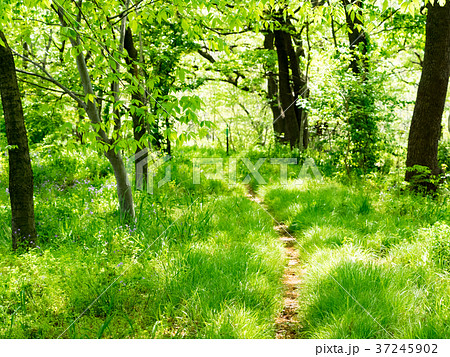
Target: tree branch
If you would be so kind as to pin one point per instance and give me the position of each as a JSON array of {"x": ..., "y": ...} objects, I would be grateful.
[
  {"x": 48, "y": 77},
  {"x": 56, "y": 83},
  {"x": 206, "y": 55}
]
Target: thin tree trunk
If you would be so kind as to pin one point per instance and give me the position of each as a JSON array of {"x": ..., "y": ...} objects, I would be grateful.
[
  {"x": 124, "y": 192},
  {"x": 425, "y": 128},
  {"x": 356, "y": 37},
  {"x": 20, "y": 171},
  {"x": 333, "y": 29},
  {"x": 115, "y": 89}
]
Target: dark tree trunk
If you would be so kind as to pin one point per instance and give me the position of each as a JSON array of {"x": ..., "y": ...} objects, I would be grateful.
[
  {"x": 168, "y": 145},
  {"x": 20, "y": 172},
  {"x": 425, "y": 128},
  {"x": 272, "y": 90},
  {"x": 291, "y": 127},
  {"x": 300, "y": 89},
  {"x": 356, "y": 37},
  {"x": 139, "y": 101},
  {"x": 291, "y": 86}
]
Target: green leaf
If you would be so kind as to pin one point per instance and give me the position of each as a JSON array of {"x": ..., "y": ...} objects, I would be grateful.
[
  {"x": 133, "y": 24},
  {"x": 185, "y": 25}
]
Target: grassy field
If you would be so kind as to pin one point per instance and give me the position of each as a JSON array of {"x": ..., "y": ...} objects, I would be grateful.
[
  {"x": 203, "y": 261},
  {"x": 376, "y": 262}
]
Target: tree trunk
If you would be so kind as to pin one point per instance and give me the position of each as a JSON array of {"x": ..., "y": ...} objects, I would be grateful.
[
  {"x": 272, "y": 90},
  {"x": 139, "y": 101},
  {"x": 124, "y": 192},
  {"x": 20, "y": 172},
  {"x": 299, "y": 87},
  {"x": 291, "y": 127},
  {"x": 425, "y": 128},
  {"x": 291, "y": 85}
]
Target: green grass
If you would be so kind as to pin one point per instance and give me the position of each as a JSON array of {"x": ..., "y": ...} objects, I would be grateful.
[
  {"x": 376, "y": 261},
  {"x": 202, "y": 261}
]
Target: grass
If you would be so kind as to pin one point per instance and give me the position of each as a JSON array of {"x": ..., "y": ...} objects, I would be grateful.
[
  {"x": 182, "y": 271},
  {"x": 203, "y": 261},
  {"x": 376, "y": 261}
]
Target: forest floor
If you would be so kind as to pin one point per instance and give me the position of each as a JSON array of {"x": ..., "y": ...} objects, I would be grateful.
[{"x": 321, "y": 259}]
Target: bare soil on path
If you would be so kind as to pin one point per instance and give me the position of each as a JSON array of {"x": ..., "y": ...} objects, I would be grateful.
[{"x": 287, "y": 323}]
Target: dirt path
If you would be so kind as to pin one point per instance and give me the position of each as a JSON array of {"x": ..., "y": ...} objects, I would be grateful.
[{"x": 287, "y": 324}]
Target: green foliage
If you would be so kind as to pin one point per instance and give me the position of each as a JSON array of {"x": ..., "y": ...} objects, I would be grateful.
[
  {"x": 55, "y": 163},
  {"x": 444, "y": 154},
  {"x": 422, "y": 180},
  {"x": 362, "y": 127},
  {"x": 202, "y": 261},
  {"x": 351, "y": 125},
  {"x": 41, "y": 120},
  {"x": 439, "y": 237}
]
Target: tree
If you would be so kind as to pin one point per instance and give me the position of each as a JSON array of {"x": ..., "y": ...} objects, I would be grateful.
[
  {"x": 425, "y": 129},
  {"x": 20, "y": 172},
  {"x": 91, "y": 107},
  {"x": 139, "y": 98},
  {"x": 284, "y": 90},
  {"x": 272, "y": 85},
  {"x": 292, "y": 86}
]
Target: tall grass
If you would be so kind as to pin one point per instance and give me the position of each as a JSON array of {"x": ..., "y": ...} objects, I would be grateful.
[
  {"x": 376, "y": 261},
  {"x": 201, "y": 261}
]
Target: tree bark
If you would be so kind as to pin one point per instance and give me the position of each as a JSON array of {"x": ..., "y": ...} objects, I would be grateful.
[
  {"x": 300, "y": 90},
  {"x": 291, "y": 127},
  {"x": 425, "y": 129},
  {"x": 290, "y": 119},
  {"x": 20, "y": 172},
  {"x": 272, "y": 90}
]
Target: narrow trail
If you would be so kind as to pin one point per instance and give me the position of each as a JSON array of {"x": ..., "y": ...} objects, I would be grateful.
[{"x": 287, "y": 323}]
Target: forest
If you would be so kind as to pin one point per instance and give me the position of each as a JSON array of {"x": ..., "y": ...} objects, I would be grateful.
[{"x": 240, "y": 169}]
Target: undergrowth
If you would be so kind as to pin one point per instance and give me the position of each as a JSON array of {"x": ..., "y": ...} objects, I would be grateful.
[{"x": 201, "y": 261}]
